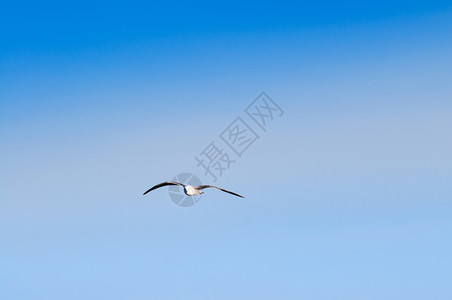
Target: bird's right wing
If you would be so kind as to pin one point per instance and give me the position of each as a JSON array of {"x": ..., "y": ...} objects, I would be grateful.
[{"x": 163, "y": 184}]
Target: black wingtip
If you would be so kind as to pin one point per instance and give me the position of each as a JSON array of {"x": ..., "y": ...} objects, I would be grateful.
[{"x": 236, "y": 195}]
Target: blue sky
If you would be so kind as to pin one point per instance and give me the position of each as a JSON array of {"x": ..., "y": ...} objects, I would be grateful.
[{"x": 347, "y": 194}]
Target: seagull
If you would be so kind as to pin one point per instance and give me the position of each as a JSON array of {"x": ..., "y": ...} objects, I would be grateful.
[{"x": 190, "y": 190}]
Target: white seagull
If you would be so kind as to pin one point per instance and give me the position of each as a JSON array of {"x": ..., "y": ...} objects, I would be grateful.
[{"x": 190, "y": 190}]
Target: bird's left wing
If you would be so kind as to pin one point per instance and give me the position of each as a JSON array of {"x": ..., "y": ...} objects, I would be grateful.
[{"x": 201, "y": 187}]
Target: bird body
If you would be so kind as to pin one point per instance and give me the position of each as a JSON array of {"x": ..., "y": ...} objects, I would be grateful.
[{"x": 190, "y": 190}]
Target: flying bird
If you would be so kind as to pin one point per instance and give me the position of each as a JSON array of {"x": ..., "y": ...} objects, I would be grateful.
[{"x": 190, "y": 190}]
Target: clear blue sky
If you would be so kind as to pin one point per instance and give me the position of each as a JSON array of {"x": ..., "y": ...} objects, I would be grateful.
[{"x": 348, "y": 194}]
